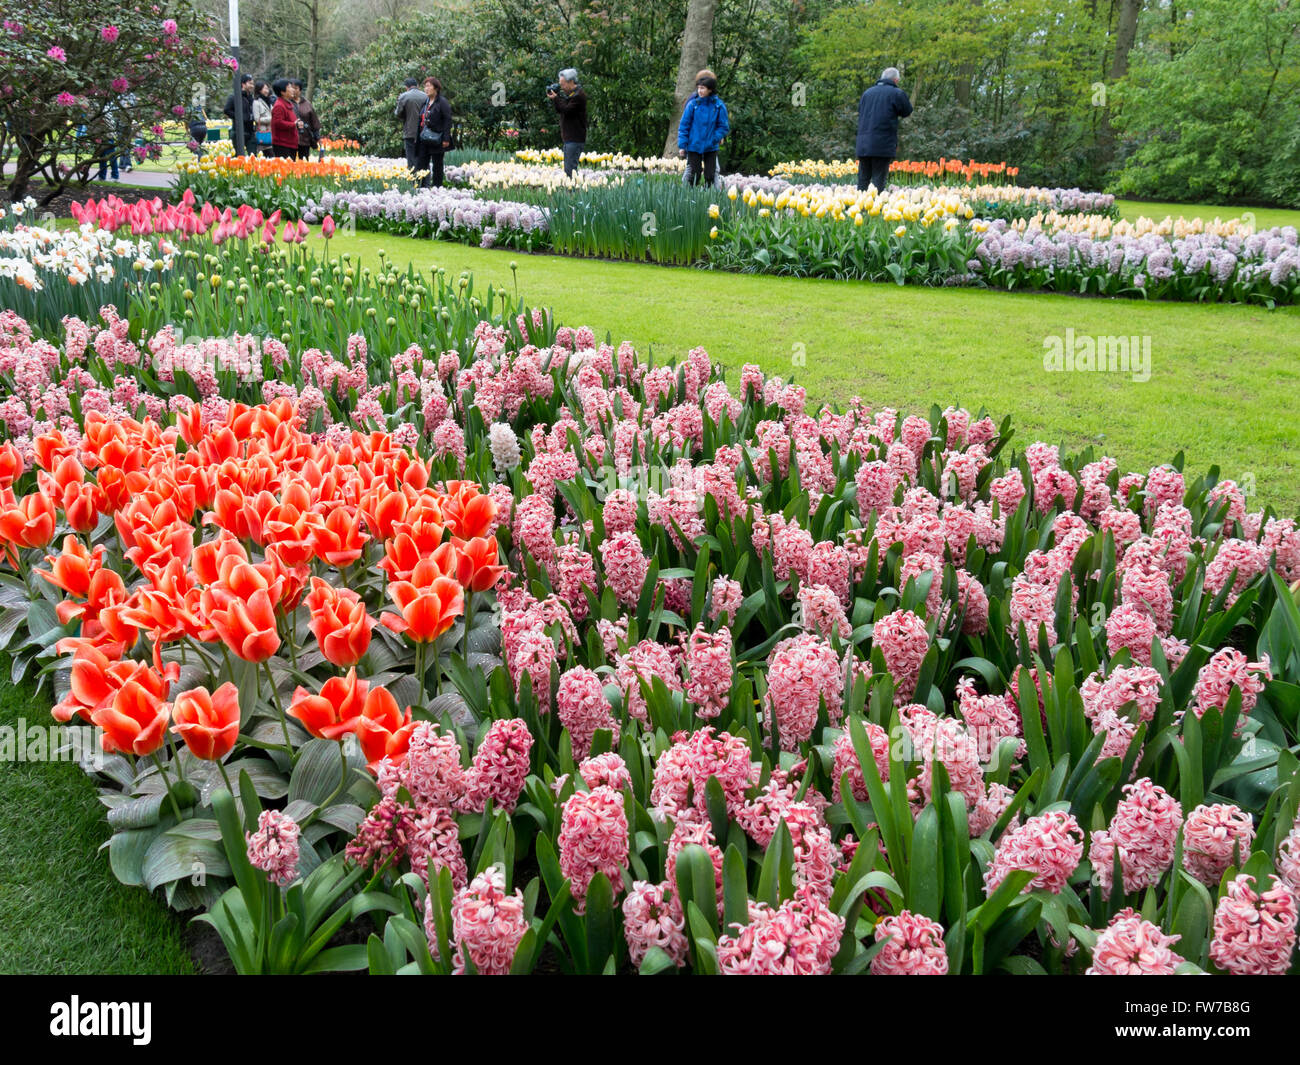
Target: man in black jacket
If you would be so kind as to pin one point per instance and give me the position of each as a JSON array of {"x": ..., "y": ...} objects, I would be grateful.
[
  {"x": 571, "y": 105},
  {"x": 879, "y": 110},
  {"x": 245, "y": 111},
  {"x": 410, "y": 105}
]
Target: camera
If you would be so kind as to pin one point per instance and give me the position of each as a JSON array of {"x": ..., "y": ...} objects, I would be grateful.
[{"x": 553, "y": 87}]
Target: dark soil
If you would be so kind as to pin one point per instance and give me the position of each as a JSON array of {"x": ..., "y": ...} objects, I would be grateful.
[{"x": 210, "y": 957}]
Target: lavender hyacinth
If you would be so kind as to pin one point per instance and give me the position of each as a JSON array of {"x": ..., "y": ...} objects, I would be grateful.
[{"x": 434, "y": 212}]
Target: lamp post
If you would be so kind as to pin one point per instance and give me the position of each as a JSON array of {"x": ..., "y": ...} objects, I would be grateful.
[{"x": 237, "y": 122}]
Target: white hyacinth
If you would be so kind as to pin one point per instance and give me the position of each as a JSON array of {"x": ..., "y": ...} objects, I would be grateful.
[{"x": 505, "y": 447}]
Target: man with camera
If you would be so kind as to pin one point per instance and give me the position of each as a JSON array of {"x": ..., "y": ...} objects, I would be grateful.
[{"x": 570, "y": 102}]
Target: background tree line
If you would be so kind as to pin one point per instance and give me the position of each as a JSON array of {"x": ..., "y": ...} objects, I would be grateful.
[{"x": 1159, "y": 98}]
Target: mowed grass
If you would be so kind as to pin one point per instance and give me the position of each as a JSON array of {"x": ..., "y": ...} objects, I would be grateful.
[
  {"x": 1264, "y": 217},
  {"x": 61, "y": 909},
  {"x": 1223, "y": 385}
]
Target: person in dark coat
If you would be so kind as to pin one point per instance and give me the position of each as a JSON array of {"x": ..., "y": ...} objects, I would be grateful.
[
  {"x": 570, "y": 103},
  {"x": 436, "y": 116},
  {"x": 245, "y": 113},
  {"x": 879, "y": 110},
  {"x": 410, "y": 106},
  {"x": 309, "y": 128}
]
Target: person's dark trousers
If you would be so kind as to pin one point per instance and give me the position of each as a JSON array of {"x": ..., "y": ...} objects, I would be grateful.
[
  {"x": 433, "y": 163},
  {"x": 708, "y": 161},
  {"x": 280, "y": 151},
  {"x": 413, "y": 152},
  {"x": 106, "y": 160},
  {"x": 873, "y": 170},
  {"x": 572, "y": 152},
  {"x": 303, "y": 153}
]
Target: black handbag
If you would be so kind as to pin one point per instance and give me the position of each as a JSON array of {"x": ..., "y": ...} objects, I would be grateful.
[{"x": 432, "y": 139}]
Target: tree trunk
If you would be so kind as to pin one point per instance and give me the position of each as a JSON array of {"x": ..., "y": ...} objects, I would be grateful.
[
  {"x": 697, "y": 42},
  {"x": 315, "y": 50},
  {"x": 1125, "y": 36}
]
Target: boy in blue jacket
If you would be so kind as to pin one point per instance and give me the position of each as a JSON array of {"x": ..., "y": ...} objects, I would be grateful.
[{"x": 704, "y": 124}]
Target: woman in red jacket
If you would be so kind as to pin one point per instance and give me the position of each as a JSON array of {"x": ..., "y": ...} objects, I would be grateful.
[{"x": 284, "y": 122}]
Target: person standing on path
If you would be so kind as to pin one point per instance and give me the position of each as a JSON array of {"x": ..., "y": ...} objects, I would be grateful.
[
  {"x": 570, "y": 102},
  {"x": 284, "y": 122},
  {"x": 704, "y": 124},
  {"x": 410, "y": 106},
  {"x": 879, "y": 110},
  {"x": 436, "y": 119},
  {"x": 309, "y": 130}
]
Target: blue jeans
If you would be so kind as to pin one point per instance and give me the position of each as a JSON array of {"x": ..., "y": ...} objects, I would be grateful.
[
  {"x": 572, "y": 150},
  {"x": 104, "y": 163}
]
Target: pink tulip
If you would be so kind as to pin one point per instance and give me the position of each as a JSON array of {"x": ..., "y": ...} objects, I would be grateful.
[{"x": 327, "y": 227}]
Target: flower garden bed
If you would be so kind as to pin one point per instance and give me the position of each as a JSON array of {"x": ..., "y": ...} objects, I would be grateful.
[
  {"x": 391, "y": 604},
  {"x": 987, "y": 235}
]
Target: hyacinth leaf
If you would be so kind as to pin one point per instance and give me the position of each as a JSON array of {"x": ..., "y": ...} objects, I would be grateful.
[
  {"x": 955, "y": 835},
  {"x": 775, "y": 879},
  {"x": 251, "y": 883},
  {"x": 655, "y": 962},
  {"x": 880, "y": 804},
  {"x": 985, "y": 916},
  {"x": 925, "y": 867},
  {"x": 735, "y": 889},
  {"x": 571, "y": 926},
  {"x": 600, "y": 926},
  {"x": 1192, "y": 921},
  {"x": 704, "y": 943}
]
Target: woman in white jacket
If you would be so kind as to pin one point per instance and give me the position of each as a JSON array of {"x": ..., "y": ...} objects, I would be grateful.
[{"x": 261, "y": 118}]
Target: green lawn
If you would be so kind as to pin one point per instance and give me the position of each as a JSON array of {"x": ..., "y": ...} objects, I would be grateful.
[
  {"x": 61, "y": 908},
  {"x": 1265, "y": 217},
  {"x": 1219, "y": 374}
]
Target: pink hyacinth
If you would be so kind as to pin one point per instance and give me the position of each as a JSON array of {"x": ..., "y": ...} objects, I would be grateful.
[
  {"x": 1254, "y": 931},
  {"x": 435, "y": 841},
  {"x": 725, "y": 598},
  {"x": 582, "y": 706},
  {"x": 606, "y": 769},
  {"x": 273, "y": 848},
  {"x": 1049, "y": 845},
  {"x": 1288, "y": 861},
  {"x": 625, "y": 566},
  {"x": 913, "y": 946},
  {"x": 384, "y": 835},
  {"x": 682, "y": 773},
  {"x": 1144, "y": 831},
  {"x": 846, "y": 761},
  {"x": 1214, "y": 837},
  {"x": 652, "y": 917},
  {"x": 802, "y": 672},
  {"x": 1133, "y": 628},
  {"x": 1133, "y": 946},
  {"x": 799, "y": 938},
  {"x": 500, "y": 767},
  {"x": 692, "y": 828},
  {"x": 486, "y": 925},
  {"x": 708, "y": 670},
  {"x": 593, "y": 839},
  {"x": 432, "y": 772},
  {"x": 821, "y": 612},
  {"x": 1229, "y": 669},
  {"x": 904, "y": 641}
]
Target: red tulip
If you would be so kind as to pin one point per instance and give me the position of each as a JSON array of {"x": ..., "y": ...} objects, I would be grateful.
[
  {"x": 207, "y": 722},
  {"x": 477, "y": 568},
  {"x": 382, "y": 730},
  {"x": 429, "y": 603},
  {"x": 327, "y": 227},
  {"x": 241, "y": 608},
  {"x": 333, "y": 713},
  {"x": 339, "y": 622}
]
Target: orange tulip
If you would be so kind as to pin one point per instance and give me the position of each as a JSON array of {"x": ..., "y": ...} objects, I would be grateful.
[
  {"x": 208, "y": 557},
  {"x": 339, "y": 622},
  {"x": 411, "y": 542},
  {"x": 429, "y": 603},
  {"x": 468, "y": 511},
  {"x": 241, "y": 608},
  {"x": 477, "y": 568},
  {"x": 338, "y": 539},
  {"x": 26, "y": 522},
  {"x": 208, "y": 722},
  {"x": 71, "y": 571},
  {"x": 333, "y": 713},
  {"x": 383, "y": 730},
  {"x": 11, "y": 464},
  {"x": 135, "y": 721}
]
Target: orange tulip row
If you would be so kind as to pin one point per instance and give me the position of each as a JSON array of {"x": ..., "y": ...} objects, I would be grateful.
[{"x": 289, "y": 513}]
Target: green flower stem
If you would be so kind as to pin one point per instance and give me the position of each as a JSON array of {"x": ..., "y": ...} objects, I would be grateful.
[
  {"x": 284, "y": 721},
  {"x": 171, "y": 799}
]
